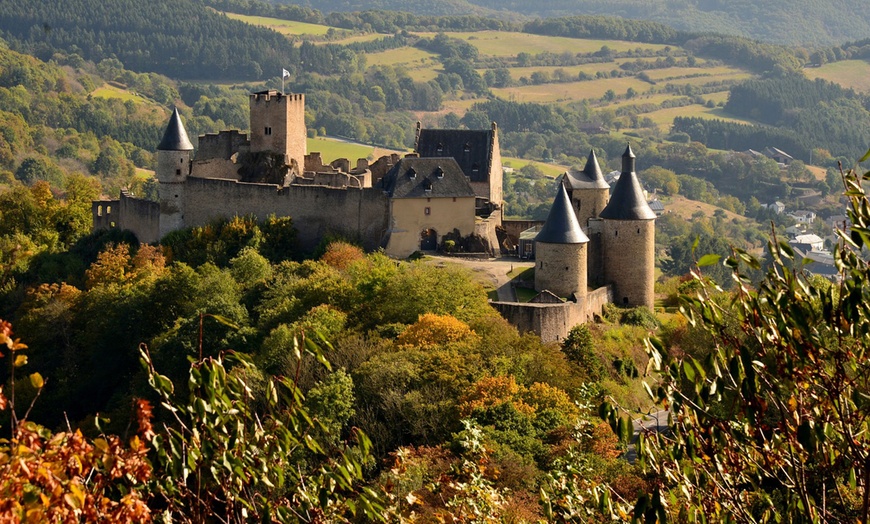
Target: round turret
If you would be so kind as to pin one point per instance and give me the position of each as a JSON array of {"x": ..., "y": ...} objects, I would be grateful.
[
  {"x": 560, "y": 251},
  {"x": 588, "y": 191},
  {"x": 173, "y": 166},
  {"x": 628, "y": 233}
]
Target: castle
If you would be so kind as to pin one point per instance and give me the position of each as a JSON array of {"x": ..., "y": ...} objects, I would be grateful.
[
  {"x": 450, "y": 187},
  {"x": 595, "y": 247}
]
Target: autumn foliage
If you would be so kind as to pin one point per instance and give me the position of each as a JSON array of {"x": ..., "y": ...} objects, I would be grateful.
[{"x": 434, "y": 330}]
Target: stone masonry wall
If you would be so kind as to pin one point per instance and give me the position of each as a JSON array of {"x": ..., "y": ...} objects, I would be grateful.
[
  {"x": 628, "y": 255},
  {"x": 560, "y": 268},
  {"x": 221, "y": 145},
  {"x": 588, "y": 203},
  {"x": 553, "y": 321},
  {"x": 140, "y": 216},
  {"x": 360, "y": 214}
]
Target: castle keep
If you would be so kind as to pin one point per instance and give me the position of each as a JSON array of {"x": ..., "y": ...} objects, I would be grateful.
[{"x": 457, "y": 191}]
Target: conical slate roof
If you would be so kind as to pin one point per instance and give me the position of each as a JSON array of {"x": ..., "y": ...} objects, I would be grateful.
[
  {"x": 627, "y": 201},
  {"x": 175, "y": 137},
  {"x": 561, "y": 226},
  {"x": 590, "y": 177}
]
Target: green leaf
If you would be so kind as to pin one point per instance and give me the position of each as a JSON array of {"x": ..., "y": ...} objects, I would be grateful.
[
  {"x": 865, "y": 157},
  {"x": 709, "y": 259},
  {"x": 36, "y": 380},
  {"x": 225, "y": 321}
]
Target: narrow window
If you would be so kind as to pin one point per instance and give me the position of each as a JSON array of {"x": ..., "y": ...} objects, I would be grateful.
[
  {"x": 108, "y": 210},
  {"x": 181, "y": 160},
  {"x": 454, "y": 199},
  {"x": 428, "y": 210},
  {"x": 625, "y": 300},
  {"x": 178, "y": 172},
  {"x": 616, "y": 233},
  {"x": 268, "y": 131},
  {"x": 99, "y": 211},
  {"x": 111, "y": 224}
]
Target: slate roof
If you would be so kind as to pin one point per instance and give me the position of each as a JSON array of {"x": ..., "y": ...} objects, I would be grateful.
[
  {"x": 589, "y": 178},
  {"x": 470, "y": 149},
  {"x": 627, "y": 201},
  {"x": 414, "y": 177},
  {"x": 175, "y": 137},
  {"x": 562, "y": 226}
]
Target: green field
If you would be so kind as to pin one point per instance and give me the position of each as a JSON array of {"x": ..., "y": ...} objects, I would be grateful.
[
  {"x": 550, "y": 170},
  {"x": 571, "y": 91},
  {"x": 332, "y": 149},
  {"x": 285, "y": 27},
  {"x": 422, "y": 65},
  {"x": 107, "y": 91},
  {"x": 665, "y": 117},
  {"x": 853, "y": 74},
  {"x": 497, "y": 43}
]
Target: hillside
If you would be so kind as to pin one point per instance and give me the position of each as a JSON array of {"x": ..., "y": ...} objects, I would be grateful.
[
  {"x": 819, "y": 22},
  {"x": 178, "y": 38}
]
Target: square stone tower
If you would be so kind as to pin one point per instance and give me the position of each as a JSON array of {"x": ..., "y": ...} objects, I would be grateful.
[{"x": 278, "y": 125}]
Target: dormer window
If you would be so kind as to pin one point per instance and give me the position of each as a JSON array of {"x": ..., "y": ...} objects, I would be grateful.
[
  {"x": 412, "y": 173},
  {"x": 467, "y": 147},
  {"x": 439, "y": 148},
  {"x": 427, "y": 186},
  {"x": 475, "y": 168},
  {"x": 439, "y": 172}
]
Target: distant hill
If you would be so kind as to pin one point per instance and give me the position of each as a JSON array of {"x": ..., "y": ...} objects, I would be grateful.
[
  {"x": 802, "y": 22},
  {"x": 178, "y": 38}
]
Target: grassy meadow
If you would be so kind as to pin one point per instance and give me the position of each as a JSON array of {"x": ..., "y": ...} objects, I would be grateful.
[
  {"x": 285, "y": 27},
  {"x": 853, "y": 74}
]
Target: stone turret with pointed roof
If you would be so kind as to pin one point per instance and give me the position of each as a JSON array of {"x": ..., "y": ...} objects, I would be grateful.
[
  {"x": 173, "y": 166},
  {"x": 628, "y": 201},
  {"x": 175, "y": 136},
  {"x": 588, "y": 190},
  {"x": 560, "y": 250},
  {"x": 628, "y": 234}
]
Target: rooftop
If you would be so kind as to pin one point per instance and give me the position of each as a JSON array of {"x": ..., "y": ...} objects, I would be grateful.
[
  {"x": 562, "y": 226},
  {"x": 175, "y": 137},
  {"x": 415, "y": 177}
]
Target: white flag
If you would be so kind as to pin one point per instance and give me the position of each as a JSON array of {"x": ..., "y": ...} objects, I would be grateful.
[{"x": 286, "y": 74}]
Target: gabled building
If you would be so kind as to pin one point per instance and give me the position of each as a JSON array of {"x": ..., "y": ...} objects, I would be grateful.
[
  {"x": 428, "y": 198},
  {"x": 477, "y": 153}
]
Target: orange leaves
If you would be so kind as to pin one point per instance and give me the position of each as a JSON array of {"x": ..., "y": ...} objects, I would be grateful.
[
  {"x": 341, "y": 255},
  {"x": 114, "y": 265},
  {"x": 435, "y": 330},
  {"x": 65, "y": 478},
  {"x": 144, "y": 415}
]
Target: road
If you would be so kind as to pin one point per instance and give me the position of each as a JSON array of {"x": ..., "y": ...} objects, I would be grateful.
[{"x": 656, "y": 422}]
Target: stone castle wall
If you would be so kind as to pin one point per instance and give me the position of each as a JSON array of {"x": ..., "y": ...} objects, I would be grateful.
[
  {"x": 106, "y": 214},
  {"x": 553, "y": 321},
  {"x": 360, "y": 214},
  {"x": 588, "y": 203},
  {"x": 628, "y": 259},
  {"x": 560, "y": 268},
  {"x": 140, "y": 216},
  {"x": 221, "y": 145}
]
